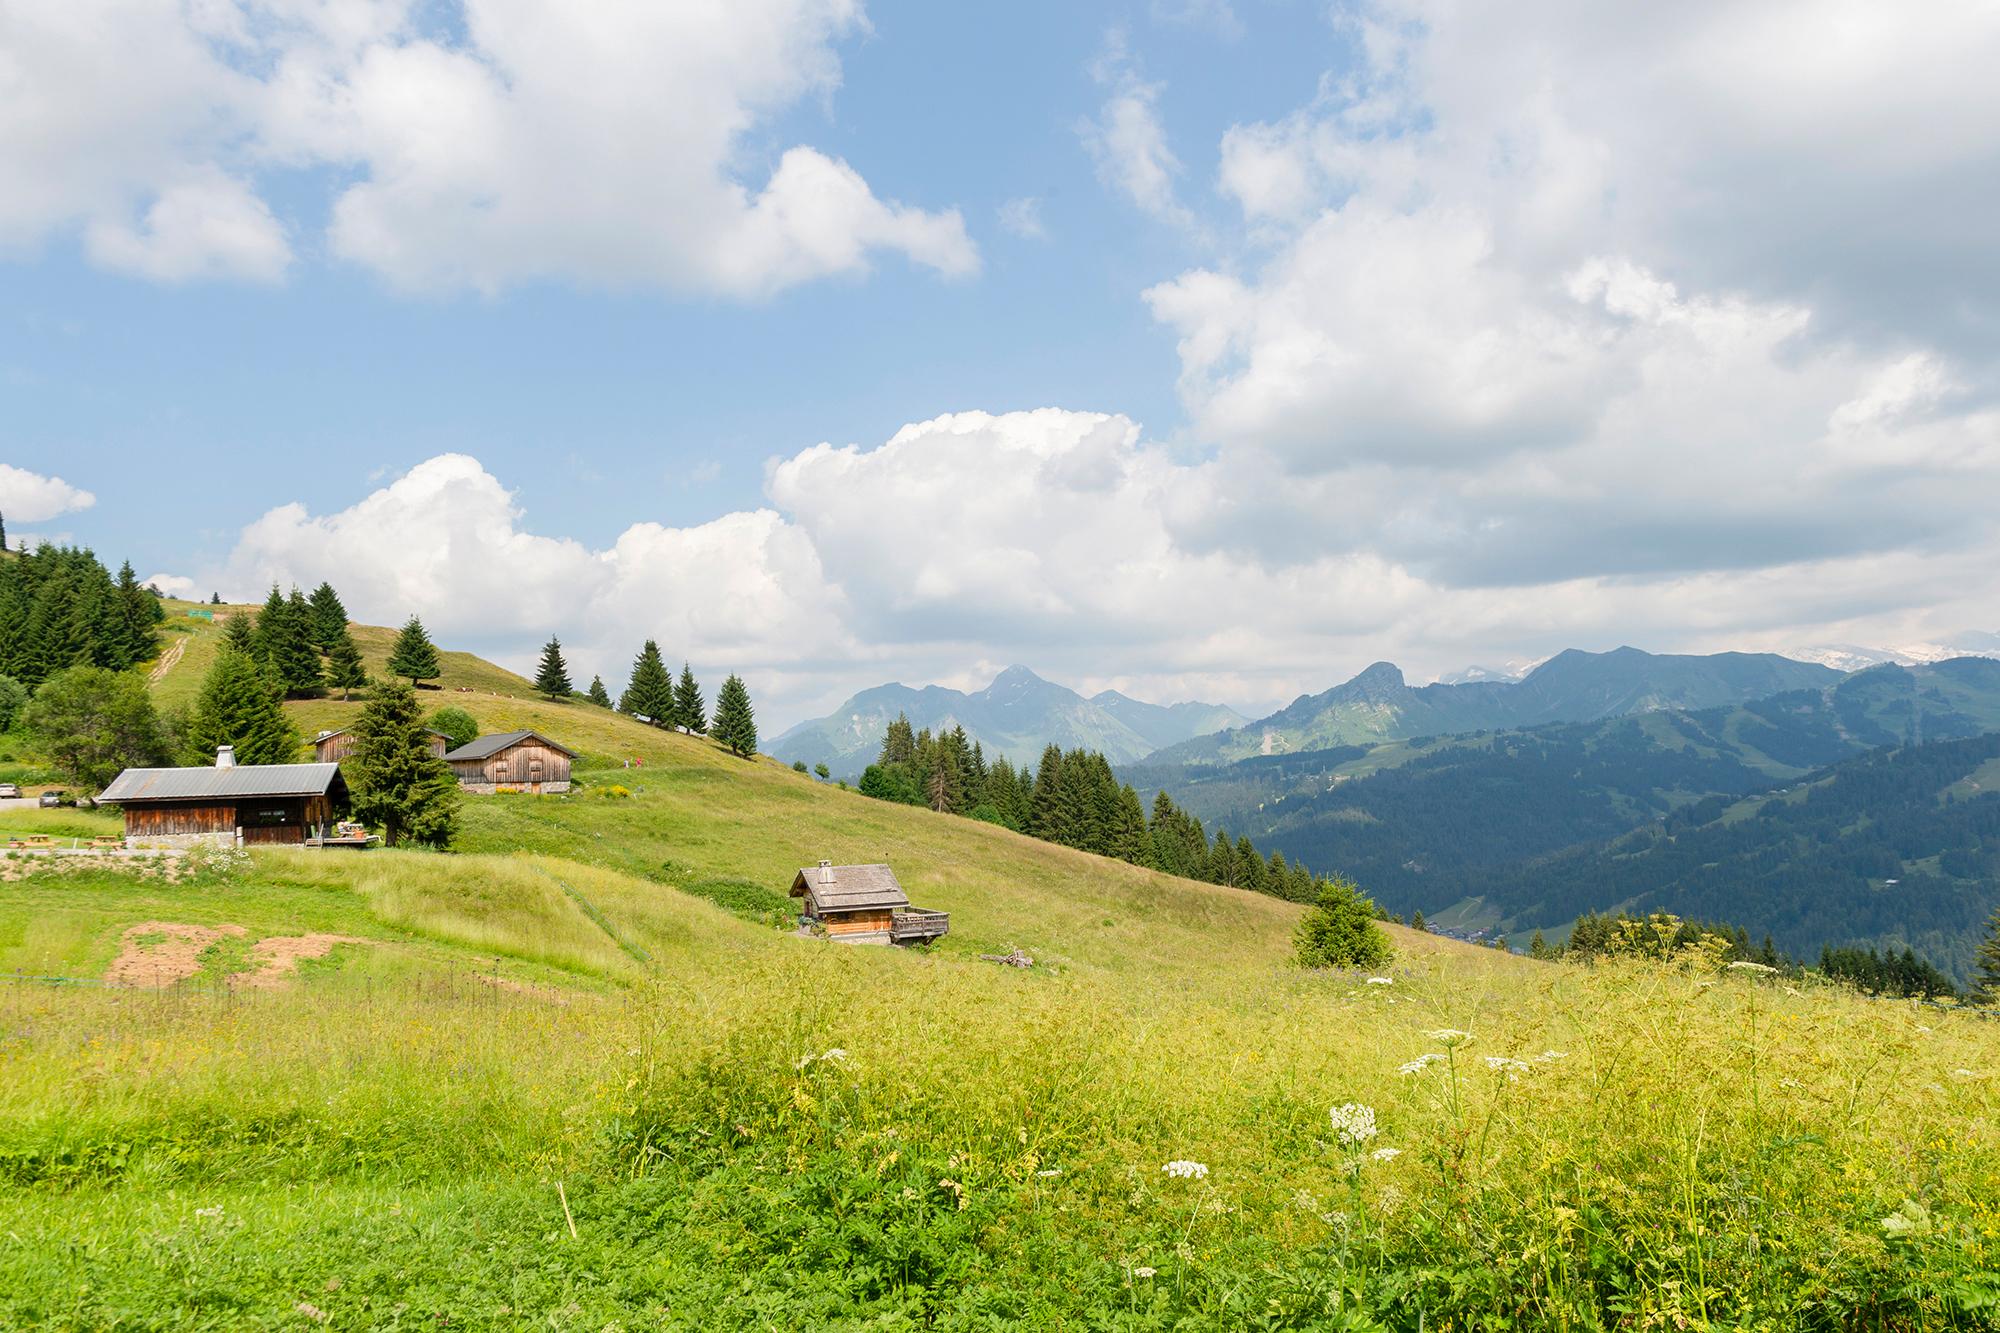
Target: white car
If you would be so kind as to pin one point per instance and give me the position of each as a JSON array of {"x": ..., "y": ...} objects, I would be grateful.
[{"x": 10, "y": 791}]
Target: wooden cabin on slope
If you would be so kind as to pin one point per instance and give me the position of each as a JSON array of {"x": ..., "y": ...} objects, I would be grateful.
[
  {"x": 330, "y": 747},
  {"x": 232, "y": 804},
  {"x": 523, "y": 761},
  {"x": 864, "y": 905}
]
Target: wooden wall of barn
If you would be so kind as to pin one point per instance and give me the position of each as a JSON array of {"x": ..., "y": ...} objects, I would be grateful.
[{"x": 515, "y": 766}]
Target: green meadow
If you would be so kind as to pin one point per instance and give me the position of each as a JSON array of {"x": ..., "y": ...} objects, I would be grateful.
[{"x": 578, "y": 1075}]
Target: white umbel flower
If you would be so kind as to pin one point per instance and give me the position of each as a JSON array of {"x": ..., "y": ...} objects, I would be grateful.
[
  {"x": 1353, "y": 1123},
  {"x": 1180, "y": 1169}
]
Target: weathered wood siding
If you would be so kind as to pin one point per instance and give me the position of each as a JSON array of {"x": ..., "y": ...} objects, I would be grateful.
[
  {"x": 524, "y": 766},
  {"x": 273, "y": 819},
  {"x": 161, "y": 821},
  {"x": 335, "y": 748},
  {"x": 859, "y": 923}
]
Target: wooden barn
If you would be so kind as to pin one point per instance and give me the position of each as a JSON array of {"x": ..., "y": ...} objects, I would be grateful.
[
  {"x": 524, "y": 761},
  {"x": 865, "y": 905},
  {"x": 231, "y": 803},
  {"x": 330, "y": 747}
]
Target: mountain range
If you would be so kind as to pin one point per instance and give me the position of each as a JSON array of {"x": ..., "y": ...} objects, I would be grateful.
[
  {"x": 1574, "y": 686},
  {"x": 1018, "y": 716},
  {"x": 1512, "y": 830}
]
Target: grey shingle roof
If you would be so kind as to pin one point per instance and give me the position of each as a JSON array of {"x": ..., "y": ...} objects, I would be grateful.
[
  {"x": 138, "y": 785},
  {"x": 494, "y": 744},
  {"x": 850, "y": 888}
]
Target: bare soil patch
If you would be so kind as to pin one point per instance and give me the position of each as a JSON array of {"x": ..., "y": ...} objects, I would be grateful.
[
  {"x": 278, "y": 957},
  {"x": 159, "y": 954}
]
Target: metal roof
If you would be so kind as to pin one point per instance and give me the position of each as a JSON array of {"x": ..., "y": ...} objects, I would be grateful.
[
  {"x": 849, "y": 888},
  {"x": 494, "y": 744},
  {"x": 138, "y": 785},
  {"x": 329, "y": 735}
]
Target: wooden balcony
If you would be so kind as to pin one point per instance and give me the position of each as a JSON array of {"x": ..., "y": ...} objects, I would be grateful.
[{"x": 917, "y": 925}]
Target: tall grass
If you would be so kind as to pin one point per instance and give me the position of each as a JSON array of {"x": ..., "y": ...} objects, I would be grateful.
[{"x": 811, "y": 1131}]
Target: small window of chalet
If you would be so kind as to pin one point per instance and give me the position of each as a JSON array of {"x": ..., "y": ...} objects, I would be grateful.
[
  {"x": 534, "y": 770},
  {"x": 500, "y": 770}
]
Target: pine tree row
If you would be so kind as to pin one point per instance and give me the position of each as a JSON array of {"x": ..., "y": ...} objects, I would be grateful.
[
  {"x": 1075, "y": 799},
  {"x": 60, "y": 607}
]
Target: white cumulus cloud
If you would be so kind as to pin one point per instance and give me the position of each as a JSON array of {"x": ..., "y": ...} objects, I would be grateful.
[
  {"x": 480, "y": 144},
  {"x": 30, "y": 497}
]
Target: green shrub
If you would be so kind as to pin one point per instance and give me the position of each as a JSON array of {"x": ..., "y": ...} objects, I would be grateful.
[
  {"x": 1340, "y": 930},
  {"x": 455, "y": 723}
]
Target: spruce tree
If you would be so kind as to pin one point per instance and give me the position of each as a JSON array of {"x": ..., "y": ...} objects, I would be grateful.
[
  {"x": 239, "y": 633},
  {"x": 735, "y": 721},
  {"x": 3, "y": 532},
  {"x": 1340, "y": 930},
  {"x": 650, "y": 692},
  {"x": 899, "y": 742},
  {"x": 415, "y": 657},
  {"x": 327, "y": 617},
  {"x": 344, "y": 671},
  {"x": 690, "y": 712},
  {"x": 395, "y": 780},
  {"x": 1046, "y": 816},
  {"x": 1417, "y": 922},
  {"x": 138, "y": 612},
  {"x": 239, "y": 706},
  {"x": 284, "y": 642},
  {"x": 597, "y": 694},
  {"x": 552, "y": 676},
  {"x": 1986, "y": 965}
]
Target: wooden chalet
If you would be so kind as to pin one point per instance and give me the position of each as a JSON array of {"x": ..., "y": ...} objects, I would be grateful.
[
  {"x": 330, "y": 747},
  {"x": 524, "y": 761},
  {"x": 864, "y": 905},
  {"x": 234, "y": 804}
]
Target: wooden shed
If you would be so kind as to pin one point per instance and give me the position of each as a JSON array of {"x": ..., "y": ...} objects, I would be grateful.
[
  {"x": 330, "y": 747},
  {"x": 525, "y": 761},
  {"x": 230, "y": 803},
  {"x": 864, "y": 905}
]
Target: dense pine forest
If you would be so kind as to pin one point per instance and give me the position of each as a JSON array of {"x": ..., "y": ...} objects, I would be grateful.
[
  {"x": 1072, "y": 798},
  {"x": 60, "y": 607}
]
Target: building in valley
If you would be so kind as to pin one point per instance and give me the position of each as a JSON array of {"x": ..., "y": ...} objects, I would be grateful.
[
  {"x": 864, "y": 905},
  {"x": 523, "y": 761},
  {"x": 232, "y": 804}
]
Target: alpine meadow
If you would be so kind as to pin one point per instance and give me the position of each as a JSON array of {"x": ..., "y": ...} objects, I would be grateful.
[{"x": 1185, "y": 665}]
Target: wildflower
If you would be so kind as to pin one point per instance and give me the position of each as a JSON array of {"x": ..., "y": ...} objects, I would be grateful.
[
  {"x": 1386, "y": 1154},
  {"x": 1184, "y": 1170},
  {"x": 1751, "y": 967},
  {"x": 1450, "y": 1036},
  {"x": 1052, "y": 1171},
  {"x": 1549, "y": 1056},
  {"x": 216, "y": 1211},
  {"x": 1144, "y": 1272},
  {"x": 1792, "y": 991},
  {"x": 1502, "y": 1064},
  {"x": 1381, "y": 981},
  {"x": 1963, "y": 1073},
  {"x": 837, "y": 1055},
  {"x": 1353, "y": 1123},
  {"x": 1420, "y": 1064}
]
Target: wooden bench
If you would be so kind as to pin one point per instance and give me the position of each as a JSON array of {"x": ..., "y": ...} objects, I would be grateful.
[{"x": 104, "y": 842}]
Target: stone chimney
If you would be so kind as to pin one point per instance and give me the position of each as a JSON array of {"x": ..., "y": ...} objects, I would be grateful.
[
  {"x": 826, "y": 872},
  {"x": 225, "y": 756}
]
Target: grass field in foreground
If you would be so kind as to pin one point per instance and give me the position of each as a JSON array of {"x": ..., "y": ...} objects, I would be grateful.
[
  {"x": 754, "y": 1130},
  {"x": 571, "y": 1079}
]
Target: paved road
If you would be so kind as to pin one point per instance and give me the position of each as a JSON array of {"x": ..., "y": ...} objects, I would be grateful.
[{"x": 24, "y": 803}]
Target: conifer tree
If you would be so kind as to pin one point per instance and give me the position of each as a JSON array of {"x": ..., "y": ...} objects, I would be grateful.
[
  {"x": 1538, "y": 947},
  {"x": 344, "y": 671},
  {"x": 239, "y": 633},
  {"x": 552, "y": 676},
  {"x": 899, "y": 743},
  {"x": 597, "y": 694},
  {"x": 139, "y": 612},
  {"x": 1128, "y": 838},
  {"x": 942, "y": 789},
  {"x": 284, "y": 643},
  {"x": 239, "y": 706},
  {"x": 1340, "y": 930},
  {"x": 3, "y": 532},
  {"x": 735, "y": 721},
  {"x": 1986, "y": 964},
  {"x": 415, "y": 657},
  {"x": 1045, "y": 814},
  {"x": 1417, "y": 922},
  {"x": 327, "y": 617},
  {"x": 690, "y": 712},
  {"x": 650, "y": 691},
  {"x": 395, "y": 780}
]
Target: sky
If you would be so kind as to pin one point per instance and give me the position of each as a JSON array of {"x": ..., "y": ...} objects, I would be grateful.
[{"x": 1196, "y": 348}]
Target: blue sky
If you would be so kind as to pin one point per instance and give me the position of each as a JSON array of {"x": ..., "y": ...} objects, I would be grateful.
[{"x": 1256, "y": 342}]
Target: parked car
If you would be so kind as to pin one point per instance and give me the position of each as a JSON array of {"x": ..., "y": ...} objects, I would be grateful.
[
  {"x": 10, "y": 791},
  {"x": 50, "y": 799}
]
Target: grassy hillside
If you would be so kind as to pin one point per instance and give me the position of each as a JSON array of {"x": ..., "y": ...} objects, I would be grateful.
[{"x": 572, "y": 1078}]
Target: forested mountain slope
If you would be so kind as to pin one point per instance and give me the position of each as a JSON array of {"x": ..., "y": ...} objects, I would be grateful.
[{"x": 1573, "y": 686}]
